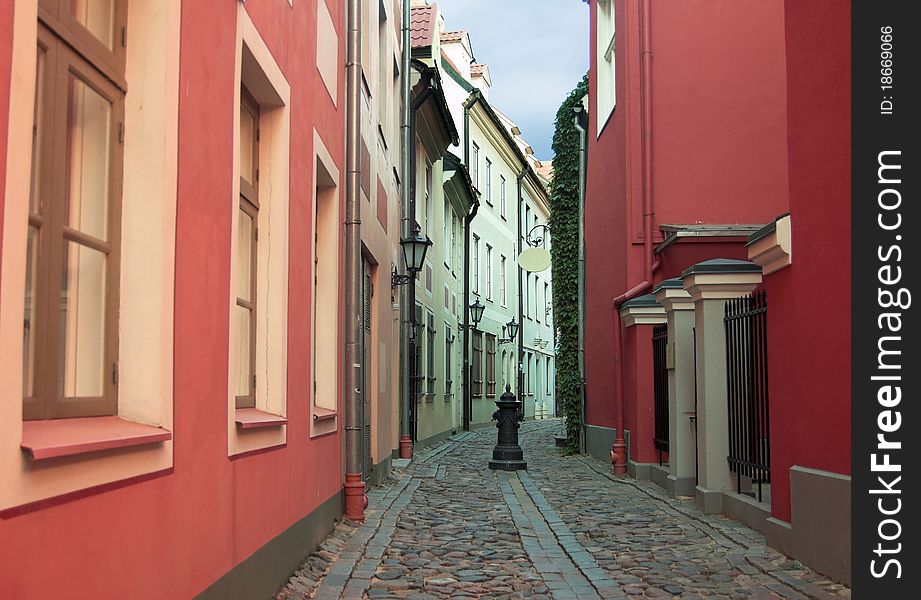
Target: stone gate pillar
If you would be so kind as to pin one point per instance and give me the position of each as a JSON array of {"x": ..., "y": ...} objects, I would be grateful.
[
  {"x": 679, "y": 355},
  {"x": 710, "y": 284}
]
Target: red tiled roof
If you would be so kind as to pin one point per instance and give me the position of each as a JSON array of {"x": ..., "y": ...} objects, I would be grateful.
[
  {"x": 477, "y": 69},
  {"x": 422, "y": 25},
  {"x": 452, "y": 36}
]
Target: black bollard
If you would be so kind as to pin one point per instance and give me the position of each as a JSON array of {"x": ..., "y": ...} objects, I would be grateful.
[{"x": 507, "y": 454}]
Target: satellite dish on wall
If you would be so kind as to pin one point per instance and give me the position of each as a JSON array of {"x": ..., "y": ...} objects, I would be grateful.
[{"x": 534, "y": 260}]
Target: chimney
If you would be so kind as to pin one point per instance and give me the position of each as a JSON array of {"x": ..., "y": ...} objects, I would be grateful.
[{"x": 479, "y": 77}]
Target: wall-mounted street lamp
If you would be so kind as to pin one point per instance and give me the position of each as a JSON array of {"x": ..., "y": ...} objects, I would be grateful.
[
  {"x": 510, "y": 329},
  {"x": 414, "y": 248},
  {"x": 476, "y": 314}
]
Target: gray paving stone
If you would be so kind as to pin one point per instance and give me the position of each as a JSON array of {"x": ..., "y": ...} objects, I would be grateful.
[{"x": 445, "y": 526}]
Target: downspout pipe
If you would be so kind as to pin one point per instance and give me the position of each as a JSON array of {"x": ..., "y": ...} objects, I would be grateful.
[
  {"x": 407, "y": 312},
  {"x": 406, "y": 443},
  {"x": 468, "y": 219},
  {"x": 468, "y": 404},
  {"x": 407, "y": 307},
  {"x": 522, "y": 232},
  {"x": 619, "y": 449},
  {"x": 355, "y": 499},
  {"x": 581, "y": 123}
]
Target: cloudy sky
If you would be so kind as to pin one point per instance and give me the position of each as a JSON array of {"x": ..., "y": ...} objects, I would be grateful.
[{"x": 537, "y": 51}]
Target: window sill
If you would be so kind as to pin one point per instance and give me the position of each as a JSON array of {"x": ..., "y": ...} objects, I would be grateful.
[
  {"x": 251, "y": 418},
  {"x": 68, "y": 437},
  {"x": 323, "y": 414}
]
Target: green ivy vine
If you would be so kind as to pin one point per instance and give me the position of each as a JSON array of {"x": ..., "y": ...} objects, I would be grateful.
[{"x": 564, "y": 223}]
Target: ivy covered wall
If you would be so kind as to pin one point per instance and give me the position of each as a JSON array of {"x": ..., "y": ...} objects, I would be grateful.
[{"x": 564, "y": 223}]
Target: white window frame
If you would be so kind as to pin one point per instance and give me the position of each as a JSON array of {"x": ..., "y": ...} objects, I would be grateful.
[
  {"x": 476, "y": 264},
  {"x": 605, "y": 41},
  {"x": 475, "y": 165},
  {"x": 488, "y": 272},
  {"x": 488, "y": 181},
  {"x": 503, "y": 295}
]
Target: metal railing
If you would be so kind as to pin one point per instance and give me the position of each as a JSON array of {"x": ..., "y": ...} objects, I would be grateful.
[
  {"x": 747, "y": 376},
  {"x": 660, "y": 388}
]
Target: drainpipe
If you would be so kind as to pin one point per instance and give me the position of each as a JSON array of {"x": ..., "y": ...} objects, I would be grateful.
[
  {"x": 521, "y": 329},
  {"x": 408, "y": 304},
  {"x": 355, "y": 498},
  {"x": 467, "y": 400},
  {"x": 581, "y": 123},
  {"x": 468, "y": 404},
  {"x": 407, "y": 441},
  {"x": 619, "y": 449},
  {"x": 407, "y": 312}
]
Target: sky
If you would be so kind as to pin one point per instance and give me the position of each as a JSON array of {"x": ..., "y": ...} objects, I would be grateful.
[{"x": 537, "y": 51}]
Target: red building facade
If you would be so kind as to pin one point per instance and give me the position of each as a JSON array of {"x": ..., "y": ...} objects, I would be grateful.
[{"x": 701, "y": 131}]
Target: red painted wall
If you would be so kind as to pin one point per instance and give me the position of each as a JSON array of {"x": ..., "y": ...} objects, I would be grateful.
[
  {"x": 809, "y": 302},
  {"x": 719, "y": 153},
  {"x": 605, "y": 229},
  {"x": 638, "y": 383},
  {"x": 691, "y": 251},
  {"x": 173, "y": 535}
]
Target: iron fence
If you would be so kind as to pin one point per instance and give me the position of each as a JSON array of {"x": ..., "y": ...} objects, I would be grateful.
[
  {"x": 660, "y": 388},
  {"x": 747, "y": 375}
]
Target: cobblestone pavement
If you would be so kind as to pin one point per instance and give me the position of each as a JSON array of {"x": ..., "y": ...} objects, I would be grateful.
[{"x": 448, "y": 527}]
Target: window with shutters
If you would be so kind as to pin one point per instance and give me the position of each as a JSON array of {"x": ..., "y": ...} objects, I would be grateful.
[
  {"x": 430, "y": 356},
  {"x": 490, "y": 365},
  {"x": 70, "y": 324},
  {"x": 418, "y": 366},
  {"x": 449, "y": 359},
  {"x": 476, "y": 365}
]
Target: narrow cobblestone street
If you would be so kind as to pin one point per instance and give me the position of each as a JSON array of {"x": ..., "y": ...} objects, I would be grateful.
[{"x": 448, "y": 527}]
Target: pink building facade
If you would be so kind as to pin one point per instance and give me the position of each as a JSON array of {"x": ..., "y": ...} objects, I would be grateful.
[{"x": 173, "y": 427}]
